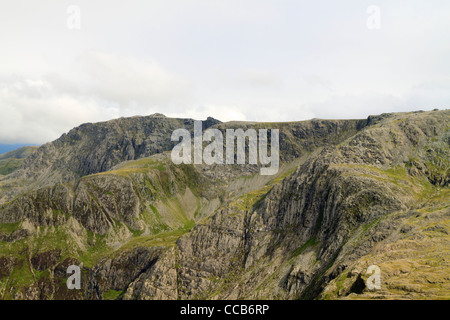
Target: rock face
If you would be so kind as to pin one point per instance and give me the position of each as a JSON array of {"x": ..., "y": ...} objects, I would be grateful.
[
  {"x": 349, "y": 194},
  {"x": 93, "y": 148}
]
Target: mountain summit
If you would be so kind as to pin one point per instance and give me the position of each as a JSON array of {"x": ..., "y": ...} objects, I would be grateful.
[{"x": 349, "y": 194}]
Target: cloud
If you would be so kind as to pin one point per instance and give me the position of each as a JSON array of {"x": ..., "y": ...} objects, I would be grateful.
[
  {"x": 253, "y": 60},
  {"x": 424, "y": 96},
  {"x": 34, "y": 112},
  {"x": 130, "y": 82},
  {"x": 253, "y": 79},
  {"x": 40, "y": 109}
]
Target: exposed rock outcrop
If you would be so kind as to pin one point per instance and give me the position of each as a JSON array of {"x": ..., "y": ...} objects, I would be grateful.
[{"x": 349, "y": 194}]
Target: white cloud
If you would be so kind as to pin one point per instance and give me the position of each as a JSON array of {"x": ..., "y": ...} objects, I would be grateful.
[
  {"x": 425, "y": 96},
  {"x": 33, "y": 112},
  {"x": 37, "y": 110},
  {"x": 131, "y": 82},
  {"x": 258, "y": 60}
]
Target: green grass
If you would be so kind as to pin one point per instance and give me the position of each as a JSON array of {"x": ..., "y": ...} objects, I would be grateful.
[
  {"x": 419, "y": 187},
  {"x": 340, "y": 282},
  {"x": 22, "y": 276},
  {"x": 96, "y": 251},
  {"x": 188, "y": 225},
  {"x": 310, "y": 243},
  {"x": 112, "y": 294},
  {"x": 166, "y": 239},
  {"x": 9, "y": 227},
  {"x": 136, "y": 166},
  {"x": 369, "y": 225},
  {"x": 251, "y": 200},
  {"x": 49, "y": 238},
  {"x": 8, "y": 166}
]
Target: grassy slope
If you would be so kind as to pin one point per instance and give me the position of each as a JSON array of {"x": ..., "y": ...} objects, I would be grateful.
[
  {"x": 8, "y": 166},
  {"x": 414, "y": 260}
]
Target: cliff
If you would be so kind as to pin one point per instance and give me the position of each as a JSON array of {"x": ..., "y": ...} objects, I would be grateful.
[{"x": 349, "y": 194}]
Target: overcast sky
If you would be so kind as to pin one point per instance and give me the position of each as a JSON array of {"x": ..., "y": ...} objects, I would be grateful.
[{"x": 261, "y": 60}]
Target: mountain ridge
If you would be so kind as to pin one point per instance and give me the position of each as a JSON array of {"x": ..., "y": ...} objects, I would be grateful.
[{"x": 344, "y": 189}]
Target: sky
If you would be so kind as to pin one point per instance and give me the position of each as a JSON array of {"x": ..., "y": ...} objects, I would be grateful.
[{"x": 63, "y": 63}]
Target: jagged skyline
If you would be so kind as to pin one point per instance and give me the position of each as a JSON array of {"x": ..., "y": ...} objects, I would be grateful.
[
  {"x": 350, "y": 196},
  {"x": 233, "y": 60}
]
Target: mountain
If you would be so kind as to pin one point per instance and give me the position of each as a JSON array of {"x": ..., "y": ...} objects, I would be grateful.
[
  {"x": 4, "y": 148},
  {"x": 12, "y": 160},
  {"x": 20, "y": 153},
  {"x": 349, "y": 194}
]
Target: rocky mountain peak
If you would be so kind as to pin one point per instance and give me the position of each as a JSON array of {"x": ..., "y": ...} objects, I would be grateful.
[{"x": 349, "y": 194}]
